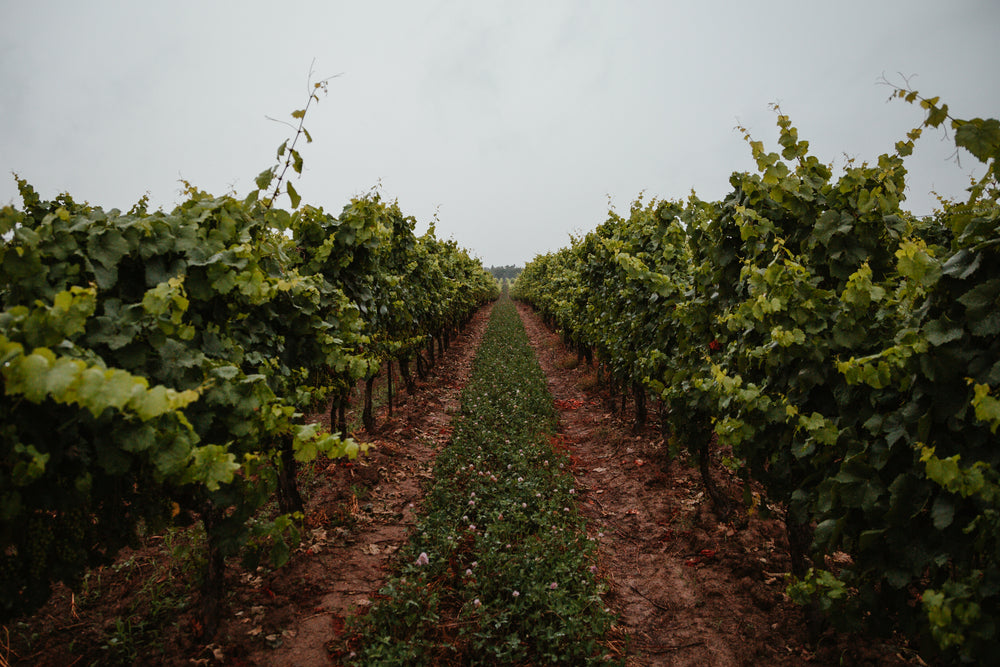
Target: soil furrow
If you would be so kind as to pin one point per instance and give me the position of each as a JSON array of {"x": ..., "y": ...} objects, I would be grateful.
[
  {"x": 688, "y": 588},
  {"x": 344, "y": 568},
  {"x": 140, "y": 610}
]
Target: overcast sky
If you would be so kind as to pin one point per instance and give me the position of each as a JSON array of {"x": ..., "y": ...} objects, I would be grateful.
[{"x": 514, "y": 122}]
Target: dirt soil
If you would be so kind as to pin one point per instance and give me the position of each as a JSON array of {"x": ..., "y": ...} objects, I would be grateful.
[
  {"x": 357, "y": 515},
  {"x": 689, "y": 589}
]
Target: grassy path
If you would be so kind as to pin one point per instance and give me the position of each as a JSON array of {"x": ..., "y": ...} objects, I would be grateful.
[{"x": 500, "y": 569}]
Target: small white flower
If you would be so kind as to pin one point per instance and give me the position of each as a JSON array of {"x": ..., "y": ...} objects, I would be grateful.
[
  {"x": 476, "y": 602},
  {"x": 516, "y": 594},
  {"x": 553, "y": 586},
  {"x": 422, "y": 559}
]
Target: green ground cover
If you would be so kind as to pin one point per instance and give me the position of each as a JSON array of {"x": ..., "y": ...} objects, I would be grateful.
[{"x": 500, "y": 569}]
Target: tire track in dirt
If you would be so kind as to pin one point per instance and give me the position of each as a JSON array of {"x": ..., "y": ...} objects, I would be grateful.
[
  {"x": 689, "y": 590},
  {"x": 359, "y": 515}
]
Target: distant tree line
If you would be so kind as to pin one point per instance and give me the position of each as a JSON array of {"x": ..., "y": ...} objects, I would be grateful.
[{"x": 509, "y": 272}]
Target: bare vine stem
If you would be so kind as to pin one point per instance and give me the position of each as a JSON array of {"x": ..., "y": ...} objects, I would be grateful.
[{"x": 289, "y": 151}]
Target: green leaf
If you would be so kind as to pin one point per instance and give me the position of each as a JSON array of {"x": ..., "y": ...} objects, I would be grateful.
[
  {"x": 771, "y": 176},
  {"x": 943, "y": 511},
  {"x": 979, "y": 137},
  {"x": 300, "y": 113},
  {"x": 987, "y": 407},
  {"x": 212, "y": 465},
  {"x": 141, "y": 439},
  {"x": 941, "y": 331},
  {"x": 264, "y": 178},
  {"x": 293, "y": 195},
  {"x": 64, "y": 373},
  {"x": 280, "y": 553},
  {"x": 30, "y": 464},
  {"x": 988, "y": 323},
  {"x": 827, "y": 531},
  {"x": 351, "y": 449},
  {"x": 281, "y": 149},
  {"x": 962, "y": 264},
  {"x": 108, "y": 248},
  {"x": 917, "y": 263},
  {"x": 935, "y": 114},
  {"x": 159, "y": 400},
  {"x": 172, "y": 456},
  {"x": 296, "y": 162},
  {"x": 982, "y": 297}
]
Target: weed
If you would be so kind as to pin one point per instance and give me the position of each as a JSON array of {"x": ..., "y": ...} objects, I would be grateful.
[
  {"x": 568, "y": 361},
  {"x": 500, "y": 569},
  {"x": 588, "y": 382}
]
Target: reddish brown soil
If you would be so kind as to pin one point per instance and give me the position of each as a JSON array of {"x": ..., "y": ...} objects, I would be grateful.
[
  {"x": 344, "y": 566},
  {"x": 689, "y": 589},
  {"x": 357, "y": 515}
]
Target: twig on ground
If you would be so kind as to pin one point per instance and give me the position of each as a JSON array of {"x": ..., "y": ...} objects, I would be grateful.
[
  {"x": 650, "y": 600},
  {"x": 664, "y": 648}
]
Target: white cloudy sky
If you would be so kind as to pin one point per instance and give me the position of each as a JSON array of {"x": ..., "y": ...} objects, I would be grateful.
[{"x": 514, "y": 121}]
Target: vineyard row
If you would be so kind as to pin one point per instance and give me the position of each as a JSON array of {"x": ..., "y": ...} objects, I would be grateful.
[
  {"x": 835, "y": 349},
  {"x": 157, "y": 366}
]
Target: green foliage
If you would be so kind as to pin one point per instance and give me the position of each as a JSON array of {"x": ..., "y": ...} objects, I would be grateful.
[
  {"x": 159, "y": 364},
  {"x": 846, "y": 350},
  {"x": 502, "y": 273},
  {"x": 500, "y": 557}
]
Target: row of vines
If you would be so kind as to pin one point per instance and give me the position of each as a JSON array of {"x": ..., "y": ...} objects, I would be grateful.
[
  {"x": 157, "y": 367},
  {"x": 845, "y": 353}
]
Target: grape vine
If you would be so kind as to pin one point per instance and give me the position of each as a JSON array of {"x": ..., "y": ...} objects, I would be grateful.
[
  {"x": 157, "y": 366},
  {"x": 844, "y": 349}
]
